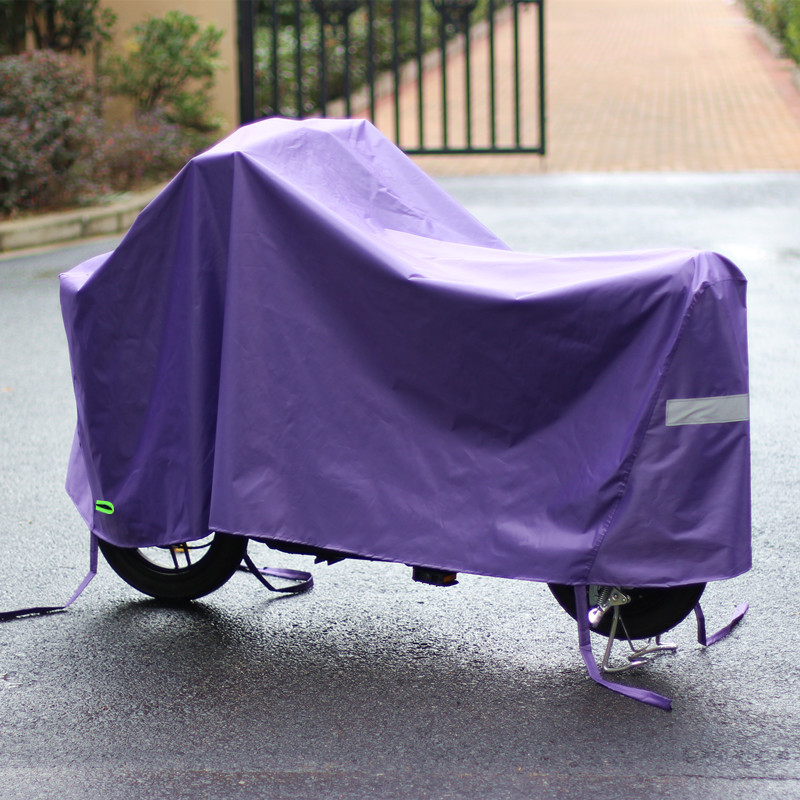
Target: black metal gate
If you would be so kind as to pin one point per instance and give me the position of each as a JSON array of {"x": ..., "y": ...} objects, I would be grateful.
[{"x": 436, "y": 76}]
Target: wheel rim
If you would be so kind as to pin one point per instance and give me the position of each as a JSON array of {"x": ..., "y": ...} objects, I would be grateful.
[
  {"x": 176, "y": 557},
  {"x": 183, "y": 571}
]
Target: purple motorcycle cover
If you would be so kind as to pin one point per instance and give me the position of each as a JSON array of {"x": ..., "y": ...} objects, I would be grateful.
[{"x": 303, "y": 338}]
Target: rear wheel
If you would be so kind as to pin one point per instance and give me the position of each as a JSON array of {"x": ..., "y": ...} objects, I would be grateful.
[
  {"x": 649, "y": 613},
  {"x": 179, "y": 571}
]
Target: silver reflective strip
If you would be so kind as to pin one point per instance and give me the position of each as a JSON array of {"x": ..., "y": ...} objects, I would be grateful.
[{"x": 708, "y": 410}]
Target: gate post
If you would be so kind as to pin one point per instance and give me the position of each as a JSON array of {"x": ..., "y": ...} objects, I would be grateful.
[{"x": 246, "y": 18}]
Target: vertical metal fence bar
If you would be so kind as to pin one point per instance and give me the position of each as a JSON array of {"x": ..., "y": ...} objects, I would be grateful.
[
  {"x": 542, "y": 88},
  {"x": 298, "y": 27},
  {"x": 276, "y": 109},
  {"x": 371, "y": 57},
  {"x": 323, "y": 72},
  {"x": 468, "y": 79},
  {"x": 492, "y": 80},
  {"x": 420, "y": 80},
  {"x": 517, "y": 89},
  {"x": 443, "y": 56},
  {"x": 348, "y": 94},
  {"x": 396, "y": 67},
  {"x": 246, "y": 31}
]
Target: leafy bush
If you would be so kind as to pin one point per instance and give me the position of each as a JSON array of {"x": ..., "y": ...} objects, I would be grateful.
[
  {"x": 67, "y": 26},
  {"x": 48, "y": 131},
  {"x": 169, "y": 68},
  {"x": 146, "y": 150},
  {"x": 792, "y": 40},
  {"x": 54, "y": 148},
  {"x": 782, "y": 19}
]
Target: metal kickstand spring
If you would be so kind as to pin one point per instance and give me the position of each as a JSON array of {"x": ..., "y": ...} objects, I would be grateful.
[{"x": 637, "y": 656}]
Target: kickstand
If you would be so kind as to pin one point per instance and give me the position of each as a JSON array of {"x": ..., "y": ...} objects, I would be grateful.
[
  {"x": 638, "y": 655},
  {"x": 584, "y": 639}
]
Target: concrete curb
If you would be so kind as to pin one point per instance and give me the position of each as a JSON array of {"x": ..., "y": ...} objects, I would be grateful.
[{"x": 68, "y": 226}]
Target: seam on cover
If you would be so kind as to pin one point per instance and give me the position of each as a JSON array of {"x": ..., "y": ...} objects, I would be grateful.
[
  {"x": 236, "y": 169},
  {"x": 639, "y": 436}
]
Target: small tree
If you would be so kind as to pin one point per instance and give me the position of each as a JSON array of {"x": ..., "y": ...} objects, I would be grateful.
[
  {"x": 66, "y": 26},
  {"x": 169, "y": 66}
]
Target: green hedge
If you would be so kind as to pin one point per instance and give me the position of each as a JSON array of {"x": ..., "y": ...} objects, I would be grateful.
[
  {"x": 48, "y": 131},
  {"x": 782, "y": 19},
  {"x": 54, "y": 149}
]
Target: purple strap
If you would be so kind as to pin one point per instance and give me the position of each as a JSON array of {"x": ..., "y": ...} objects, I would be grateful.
[
  {"x": 722, "y": 632},
  {"x": 643, "y": 695},
  {"x": 306, "y": 580},
  {"x": 6, "y": 616},
  {"x": 584, "y": 639}
]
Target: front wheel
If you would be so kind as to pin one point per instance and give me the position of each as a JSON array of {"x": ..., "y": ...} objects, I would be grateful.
[
  {"x": 650, "y": 612},
  {"x": 179, "y": 571}
]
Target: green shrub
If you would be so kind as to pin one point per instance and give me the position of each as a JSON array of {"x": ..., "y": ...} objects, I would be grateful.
[
  {"x": 782, "y": 19},
  {"x": 48, "y": 132},
  {"x": 792, "y": 40},
  {"x": 764, "y": 13},
  {"x": 68, "y": 26},
  {"x": 55, "y": 150},
  {"x": 149, "y": 149},
  {"x": 169, "y": 68}
]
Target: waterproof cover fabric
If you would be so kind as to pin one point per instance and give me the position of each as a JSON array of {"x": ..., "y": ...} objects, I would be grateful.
[{"x": 303, "y": 338}]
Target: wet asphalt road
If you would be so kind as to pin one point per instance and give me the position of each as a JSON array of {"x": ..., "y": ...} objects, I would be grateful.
[{"x": 372, "y": 686}]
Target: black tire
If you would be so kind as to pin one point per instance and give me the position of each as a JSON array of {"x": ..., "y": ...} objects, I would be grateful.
[
  {"x": 650, "y": 612},
  {"x": 159, "y": 571}
]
